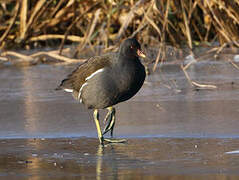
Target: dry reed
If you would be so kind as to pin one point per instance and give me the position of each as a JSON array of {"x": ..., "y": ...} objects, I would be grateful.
[{"x": 26, "y": 24}]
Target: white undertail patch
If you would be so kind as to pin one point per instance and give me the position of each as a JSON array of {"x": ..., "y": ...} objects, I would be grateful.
[{"x": 68, "y": 90}]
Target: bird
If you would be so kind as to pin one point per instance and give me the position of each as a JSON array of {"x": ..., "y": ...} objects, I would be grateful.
[{"x": 106, "y": 80}]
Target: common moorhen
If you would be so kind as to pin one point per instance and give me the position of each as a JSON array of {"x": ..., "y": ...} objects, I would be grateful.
[{"x": 103, "y": 81}]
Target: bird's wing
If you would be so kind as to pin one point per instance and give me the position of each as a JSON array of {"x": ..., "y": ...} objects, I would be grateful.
[{"x": 78, "y": 77}]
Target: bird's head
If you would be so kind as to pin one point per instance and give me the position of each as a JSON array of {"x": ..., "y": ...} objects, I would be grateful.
[{"x": 131, "y": 47}]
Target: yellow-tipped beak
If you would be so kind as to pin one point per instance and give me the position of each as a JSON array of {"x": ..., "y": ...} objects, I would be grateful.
[{"x": 140, "y": 53}]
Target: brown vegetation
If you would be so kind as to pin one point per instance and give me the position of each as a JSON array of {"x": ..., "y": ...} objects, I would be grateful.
[{"x": 36, "y": 23}]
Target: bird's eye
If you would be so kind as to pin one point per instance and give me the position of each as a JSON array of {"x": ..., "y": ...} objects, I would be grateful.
[{"x": 132, "y": 47}]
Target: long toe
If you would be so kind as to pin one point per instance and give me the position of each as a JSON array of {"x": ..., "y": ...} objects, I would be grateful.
[{"x": 112, "y": 140}]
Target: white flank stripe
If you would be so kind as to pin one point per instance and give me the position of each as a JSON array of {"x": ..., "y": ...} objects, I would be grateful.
[
  {"x": 83, "y": 85},
  {"x": 68, "y": 90},
  {"x": 86, "y": 79},
  {"x": 93, "y": 74}
]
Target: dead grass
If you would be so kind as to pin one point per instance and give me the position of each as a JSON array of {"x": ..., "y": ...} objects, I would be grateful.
[{"x": 27, "y": 24}]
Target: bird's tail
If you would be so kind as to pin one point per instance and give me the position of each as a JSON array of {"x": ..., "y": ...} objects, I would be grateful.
[{"x": 65, "y": 84}]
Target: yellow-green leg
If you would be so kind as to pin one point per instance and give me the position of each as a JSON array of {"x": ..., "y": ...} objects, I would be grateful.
[
  {"x": 96, "y": 118},
  {"x": 110, "y": 118},
  {"x": 110, "y": 126}
]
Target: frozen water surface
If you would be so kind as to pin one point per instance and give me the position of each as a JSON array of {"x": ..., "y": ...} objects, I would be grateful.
[
  {"x": 174, "y": 130},
  {"x": 166, "y": 106}
]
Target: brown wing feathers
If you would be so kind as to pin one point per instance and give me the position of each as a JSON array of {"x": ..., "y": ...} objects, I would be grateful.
[{"x": 77, "y": 78}]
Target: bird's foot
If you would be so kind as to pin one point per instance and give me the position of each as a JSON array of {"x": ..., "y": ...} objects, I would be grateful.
[{"x": 113, "y": 140}]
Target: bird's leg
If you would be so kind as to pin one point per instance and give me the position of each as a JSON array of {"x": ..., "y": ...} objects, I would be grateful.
[
  {"x": 111, "y": 127},
  {"x": 109, "y": 113},
  {"x": 110, "y": 118},
  {"x": 96, "y": 118}
]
